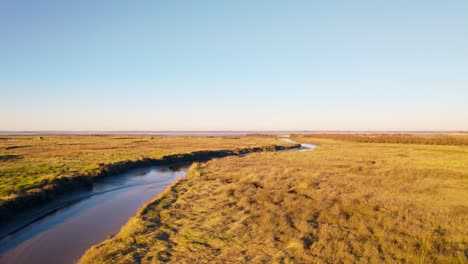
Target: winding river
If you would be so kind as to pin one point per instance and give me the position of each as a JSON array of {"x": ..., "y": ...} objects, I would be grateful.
[{"x": 61, "y": 232}]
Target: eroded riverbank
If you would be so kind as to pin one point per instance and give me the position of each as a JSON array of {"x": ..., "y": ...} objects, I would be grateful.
[{"x": 63, "y": 235}]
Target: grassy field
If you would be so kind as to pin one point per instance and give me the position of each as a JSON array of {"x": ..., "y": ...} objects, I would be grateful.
[
  {"x": 29, "y": 163},
  {"x": 429, "y": 139},
  {"x": 345, "y": 202}
]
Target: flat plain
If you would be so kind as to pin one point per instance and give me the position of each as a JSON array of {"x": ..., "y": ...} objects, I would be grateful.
[{"x": 347, "y": 201}]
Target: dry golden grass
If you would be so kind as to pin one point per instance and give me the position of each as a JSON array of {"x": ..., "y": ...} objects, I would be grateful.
[
  {"x": 429, "y": 139},
  {"x": 32, "y": 162},
  {"x": 345, "y": 202}
]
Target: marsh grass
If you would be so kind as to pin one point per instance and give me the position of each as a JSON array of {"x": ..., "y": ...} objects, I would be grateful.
[
  {"x": 429, "y": 139},
  {"x": 345, "y": 202},
  {"x": 29, "y": 163}
]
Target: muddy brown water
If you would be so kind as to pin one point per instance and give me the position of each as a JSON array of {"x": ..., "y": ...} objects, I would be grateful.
[{"x": 62, "y": 232}]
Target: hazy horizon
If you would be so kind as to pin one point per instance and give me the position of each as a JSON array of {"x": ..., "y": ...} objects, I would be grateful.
[
  {"x": 216, "y": 132},
  {"x": 230, "y": 66}
]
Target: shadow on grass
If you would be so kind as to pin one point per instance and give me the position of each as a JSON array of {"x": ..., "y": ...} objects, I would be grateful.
[{"x": 9, "y": 157}]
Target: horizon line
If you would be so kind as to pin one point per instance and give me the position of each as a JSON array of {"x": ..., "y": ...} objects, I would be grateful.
[{"x": 209, "y": 132}]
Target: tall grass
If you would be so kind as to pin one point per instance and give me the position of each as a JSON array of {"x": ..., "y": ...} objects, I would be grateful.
[
  {"x": 439, "y": 139},
  {"x": 345, "y": 202}
]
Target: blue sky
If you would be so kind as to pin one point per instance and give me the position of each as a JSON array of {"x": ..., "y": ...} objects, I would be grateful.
[{"x": 233, "y": 65}]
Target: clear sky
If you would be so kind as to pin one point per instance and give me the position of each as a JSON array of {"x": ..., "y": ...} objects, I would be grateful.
[{"x": 233, "y": 65}]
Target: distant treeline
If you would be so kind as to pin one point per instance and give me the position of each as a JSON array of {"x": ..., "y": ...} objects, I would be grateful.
[{"x": 440, "y": 139}]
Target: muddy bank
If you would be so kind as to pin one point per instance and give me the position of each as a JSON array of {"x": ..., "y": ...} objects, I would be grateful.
[{"x": 23, "y": 202}]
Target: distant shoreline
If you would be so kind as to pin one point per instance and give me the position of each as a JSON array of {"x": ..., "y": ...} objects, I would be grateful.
[{"x": 221, "y": 133}]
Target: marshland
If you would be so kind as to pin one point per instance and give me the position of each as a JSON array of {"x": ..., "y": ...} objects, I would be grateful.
[
  {"x": 92, "y": 185},
  {"x": 344, "y": 202},
  {"x": 354, "y": 198},
  {"x": 241, "y": 131}
]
